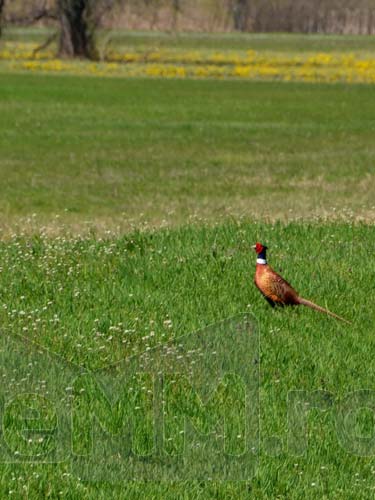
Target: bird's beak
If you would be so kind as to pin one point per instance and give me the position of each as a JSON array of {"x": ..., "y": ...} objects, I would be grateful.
[{"x": 253, "y": 247}]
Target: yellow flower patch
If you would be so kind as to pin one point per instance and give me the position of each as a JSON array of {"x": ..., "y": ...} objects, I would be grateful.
[{"x": 179, "y": 63}]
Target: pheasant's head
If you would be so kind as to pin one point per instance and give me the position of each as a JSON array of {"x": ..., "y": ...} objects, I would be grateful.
[
  {"x": 259, "y": 248},
  {"x": 261, "y": 253}
]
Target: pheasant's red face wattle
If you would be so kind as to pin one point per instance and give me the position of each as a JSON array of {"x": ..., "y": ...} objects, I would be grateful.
[{"x": 259, "y": 248}]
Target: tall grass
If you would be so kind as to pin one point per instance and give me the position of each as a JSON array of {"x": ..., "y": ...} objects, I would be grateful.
[{"x": 96, "y": 301}]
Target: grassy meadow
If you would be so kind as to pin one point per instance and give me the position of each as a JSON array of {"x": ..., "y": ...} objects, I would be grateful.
[
  {"x": 251, "y": 57},
  {"x": 278, "y": 42},
  {"x": 154, "y": 150},
  {"x": 128, "y": 210}
]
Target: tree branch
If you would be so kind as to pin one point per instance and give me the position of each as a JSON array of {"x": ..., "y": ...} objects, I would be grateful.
[
  {"x": 37, "y": 15},
  {"x": 45, "y": 44}
]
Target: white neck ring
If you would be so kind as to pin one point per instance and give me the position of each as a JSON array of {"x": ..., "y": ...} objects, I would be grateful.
[{"x": 261, "y": 261}]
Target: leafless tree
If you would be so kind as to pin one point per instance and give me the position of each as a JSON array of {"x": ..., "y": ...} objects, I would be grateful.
[
  {"x": 2, "y": 4},
  {"x": 77, "y": 28},
  {"x": 176, "y": 10},
  {"x": 240, "y": 9},
  {"x": 76, "y": 21}
]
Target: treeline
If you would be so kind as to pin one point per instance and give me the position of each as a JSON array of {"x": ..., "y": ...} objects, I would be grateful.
[
  {"x": 296, "y": 16},
  {"x": 293, "y": 16},
  {"x": 76, "y": 21}
]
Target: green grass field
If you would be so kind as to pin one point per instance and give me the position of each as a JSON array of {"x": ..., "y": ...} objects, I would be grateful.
[
  {"x": 115, "y": 152},
  {"x": 128, "y": 210},
  {"x": 221, "y": 41}
]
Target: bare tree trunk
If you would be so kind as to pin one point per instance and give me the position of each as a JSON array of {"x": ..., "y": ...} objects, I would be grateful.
[
  {"x": 240, "y": 14},
  {"x": 2, "y": 4},
  {"x": 176, "y": 9},
  {"x": 369, "y": 21},
  {"x": 289, "y": 18},
  {"x": 76, "y": 29}
]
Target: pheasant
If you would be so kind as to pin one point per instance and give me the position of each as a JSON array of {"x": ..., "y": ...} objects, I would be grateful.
[{"x": 276, "y": 290}]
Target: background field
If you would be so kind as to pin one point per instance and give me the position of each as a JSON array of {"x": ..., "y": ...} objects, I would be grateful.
[
  {"x": 221, "y": 41},
  {"x": 117, "y": 152},
  {"x": 129, "y": 206}
]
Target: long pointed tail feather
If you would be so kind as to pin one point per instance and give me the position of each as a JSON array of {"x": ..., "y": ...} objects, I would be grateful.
[{"x": 308, "y": 303}]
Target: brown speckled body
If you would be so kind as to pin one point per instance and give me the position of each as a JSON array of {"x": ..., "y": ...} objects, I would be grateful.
[{"x": 275, "y": 289}]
